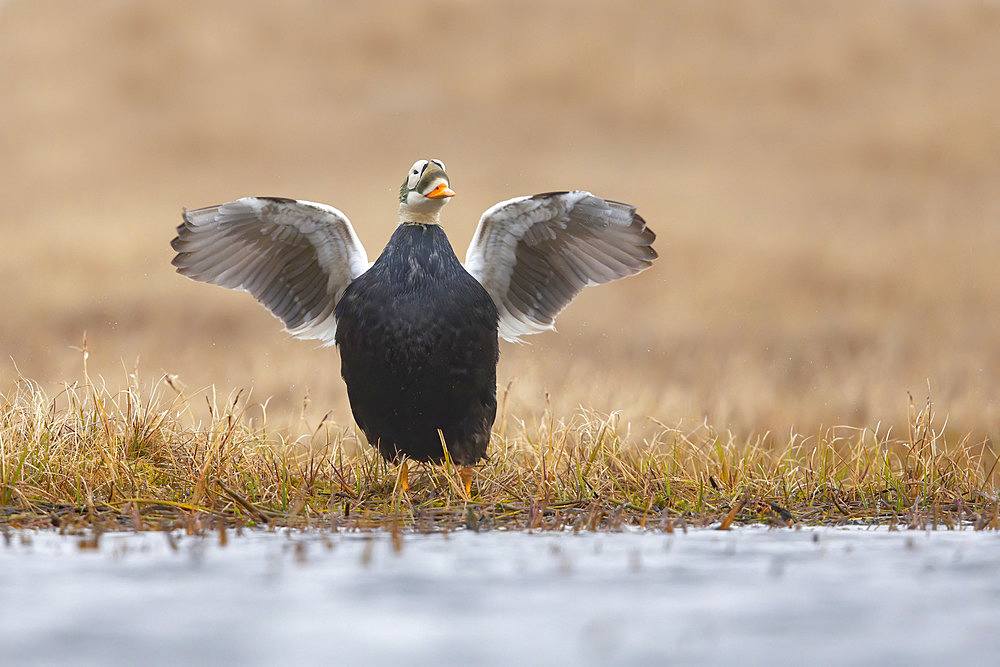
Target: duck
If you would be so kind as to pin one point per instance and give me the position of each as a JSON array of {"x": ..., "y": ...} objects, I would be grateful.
[{"x": 417, "y": 330}]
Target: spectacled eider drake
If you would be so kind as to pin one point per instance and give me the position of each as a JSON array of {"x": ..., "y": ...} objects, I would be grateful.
[{"x": 417, "y": 330}]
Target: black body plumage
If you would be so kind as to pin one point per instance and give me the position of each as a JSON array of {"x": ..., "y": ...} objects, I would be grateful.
[{"x": 418, "y": 345}]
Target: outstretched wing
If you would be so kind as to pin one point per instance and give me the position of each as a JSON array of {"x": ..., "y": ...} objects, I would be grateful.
[
  {"x": 535, "y": 254},
  {"x": 295, "y": 257}
]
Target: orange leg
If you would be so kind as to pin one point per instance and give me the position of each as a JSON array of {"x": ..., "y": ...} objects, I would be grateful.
[
  {"x": 403, "y": 476},
  {"x": 466, "y": 474}
]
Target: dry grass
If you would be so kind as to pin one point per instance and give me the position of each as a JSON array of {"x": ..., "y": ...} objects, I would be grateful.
[
  {"x": 822, "y": 179},
  {"x": 153, "y": 457}
]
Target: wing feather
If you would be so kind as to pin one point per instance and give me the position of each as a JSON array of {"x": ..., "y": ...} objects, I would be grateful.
[
  {"x": 535, "y": 254},
  {"x": 294, "y": 257}
]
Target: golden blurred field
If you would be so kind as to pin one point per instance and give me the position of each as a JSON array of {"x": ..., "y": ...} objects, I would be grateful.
[{"x": 823, "y": 180}]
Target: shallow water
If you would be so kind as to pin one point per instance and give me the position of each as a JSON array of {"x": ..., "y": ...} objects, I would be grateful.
[{"x": 750, "y": 596}]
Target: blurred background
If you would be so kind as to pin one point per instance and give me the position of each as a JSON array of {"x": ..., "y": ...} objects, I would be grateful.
[{"x": 823, "y": 179}]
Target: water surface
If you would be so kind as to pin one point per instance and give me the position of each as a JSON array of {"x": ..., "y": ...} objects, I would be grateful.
[{"x": 750, "y": 596}]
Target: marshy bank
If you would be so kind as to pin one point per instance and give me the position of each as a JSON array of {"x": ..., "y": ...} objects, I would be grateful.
[
  {"x": 151, "y": 524},
  {"x": 151, "y": 456}
]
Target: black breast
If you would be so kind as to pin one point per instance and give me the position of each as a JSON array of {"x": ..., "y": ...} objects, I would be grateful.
[{"x": 418, "y": 347}]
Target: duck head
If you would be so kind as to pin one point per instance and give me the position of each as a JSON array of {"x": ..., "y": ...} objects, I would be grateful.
[{"x": 424, "y": 192}]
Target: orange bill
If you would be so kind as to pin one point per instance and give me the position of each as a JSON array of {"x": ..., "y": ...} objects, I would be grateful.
[{"x": 440, "y": 191}]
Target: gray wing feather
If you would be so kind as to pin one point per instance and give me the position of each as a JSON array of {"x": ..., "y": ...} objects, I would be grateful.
[
  {"x": 295, "y": 257},
  {"x": 535, "y": 254}
]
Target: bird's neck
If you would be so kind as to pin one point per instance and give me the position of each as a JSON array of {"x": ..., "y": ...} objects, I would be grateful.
[{"x": 409, "y": 216}]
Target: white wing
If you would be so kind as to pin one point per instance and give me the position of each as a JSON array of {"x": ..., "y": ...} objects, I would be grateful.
[
  {"x": 295, "y": 257},
  {"x": 535, "y": 254}
]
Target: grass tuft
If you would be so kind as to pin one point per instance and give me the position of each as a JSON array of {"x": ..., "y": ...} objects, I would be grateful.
[{"x": 152, "y": 457}]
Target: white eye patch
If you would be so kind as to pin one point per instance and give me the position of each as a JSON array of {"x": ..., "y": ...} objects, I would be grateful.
[
  {"x": 415, "y": 172},
  {"x": 440, "y": 164}
]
